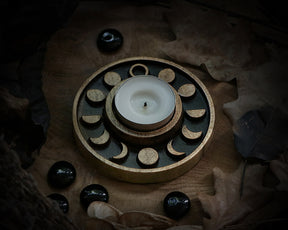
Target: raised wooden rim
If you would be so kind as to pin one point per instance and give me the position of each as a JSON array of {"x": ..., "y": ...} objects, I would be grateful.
[
  {"x": 143, "y": 137},
  {"x": 136, "y": 175}
]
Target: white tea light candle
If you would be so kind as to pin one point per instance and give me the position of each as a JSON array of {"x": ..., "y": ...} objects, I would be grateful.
[{"x": 145, "y": 102}]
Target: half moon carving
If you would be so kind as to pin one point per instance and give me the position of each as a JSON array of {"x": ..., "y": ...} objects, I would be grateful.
[
  {"x": 123, "y": 153},
  {"x": 196, "y": 113},
  {"x": 190, "y": 134},
  {"x": 172, "y": 151},
  {"x": 102, "y": 140},
  {"x": 91, "y": 119}
]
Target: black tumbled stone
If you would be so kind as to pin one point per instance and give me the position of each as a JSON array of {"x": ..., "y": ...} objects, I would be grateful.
[
  {"x": 61, "y": 174},
  {"x": 61, "y": 200},
  {"x": 109, "y": 40},
  {"x": 176, "y": 205},
  {"x": 93, "y": 192}
]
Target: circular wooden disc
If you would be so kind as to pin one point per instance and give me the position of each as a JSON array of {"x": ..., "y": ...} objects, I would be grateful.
[
  {"x": 102, "y": 147},
  {"x": 95, "y": 95},
  {"x": 112, "y": 78},
  {"x": 167, "y": 75},
  {"x": 187, "y": 90},
  {"x": 148, "y": 156}
]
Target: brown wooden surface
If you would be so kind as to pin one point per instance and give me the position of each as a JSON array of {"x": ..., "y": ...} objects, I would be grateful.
[{"x": 72, "y": 56}]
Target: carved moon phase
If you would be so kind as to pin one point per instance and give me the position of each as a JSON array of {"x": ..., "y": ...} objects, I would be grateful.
[
  {"x": 95, "y": 95},
  {"x": 187, "y": 90},
  {"x": 196, "y": 113},
  {"x": 91, "y": 119},
  {"x": 172, "y": 151},
  {"x": 148, "y": 157},
  {"x": 112, "y": 78},
  {"x": 190, "y": 134},
  {"x": 123, "y": 153},
  {"x": 167, "y": 75},
  {"x": 102, "y": 140},
  {"x": 138, "y": 65}
]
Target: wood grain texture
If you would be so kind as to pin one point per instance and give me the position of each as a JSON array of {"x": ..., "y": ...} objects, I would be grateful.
[
  {"x": 71, "y": 58},
  {"x": 112, "y": 78},
  {"x": 95, "y": 95},
  {"x": 174, "y": 152},
  {"x": 167, "y": 75},
  {"x": 101, "y": 140},
  {"x": 91, "y": 119},
  {"x": 148, "y": 157},
  {"x": 190, "y": 135},
  {"x": 196, "y": 113},
  {"x": 123, "y": 154},
  {"x": 187, "y": 90}
]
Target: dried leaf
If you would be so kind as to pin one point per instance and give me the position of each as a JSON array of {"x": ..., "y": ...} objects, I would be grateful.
[
  {"x": 226, "y": 207},
  {"x": 145, "y": 219},
  {"x": 273, "y": 212},
  {"x": 19, "y": 131},
  {"x": 262, "y": 134},
  {"x": 225, "y": 56},
  {"x": 12, "y": 106},
  {"x": 93, "y": 224},
  {"x": 280, "y": 168},
  {"x": 264, "y": 85},
  {"x": 102, "y": 210},
  {"x": 109, "y": 216},
  {"x": 186, "y": 227}
]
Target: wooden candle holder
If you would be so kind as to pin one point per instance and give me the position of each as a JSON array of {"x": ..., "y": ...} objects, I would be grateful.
[{"x": 143, "y": 156}]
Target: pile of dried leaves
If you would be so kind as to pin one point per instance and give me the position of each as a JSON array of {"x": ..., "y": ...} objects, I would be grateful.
[
  {"x": 260, "y": 201},
  {"x": 110, "y": 218},
  {"x": 255, "y": 195}
]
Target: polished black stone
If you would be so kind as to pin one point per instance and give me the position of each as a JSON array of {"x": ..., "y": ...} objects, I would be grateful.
[
  {"x": 61, "y": 200},
  {"x": 93, "y": 192},
  {"x": 61, "y": 174},
  {"x": 109, "y": 40},
  {"x": 176, "y": 205}
]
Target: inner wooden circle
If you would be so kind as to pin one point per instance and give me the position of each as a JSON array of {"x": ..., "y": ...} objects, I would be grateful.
[
  {"x": 144, "y": 103},
  {"x": 135, "y": 137}
]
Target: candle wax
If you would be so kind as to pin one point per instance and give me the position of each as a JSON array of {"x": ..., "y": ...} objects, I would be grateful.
[{"x": 145, "y": 102}]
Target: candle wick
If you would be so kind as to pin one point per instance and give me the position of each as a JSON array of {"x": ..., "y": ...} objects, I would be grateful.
[{"x": 145, "y": 104}]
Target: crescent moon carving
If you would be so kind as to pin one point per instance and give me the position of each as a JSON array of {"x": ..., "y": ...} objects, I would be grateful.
[
  {"x": 91, "y": 119},
  {"x": 190, "y": 134},
  {"x": 172, "y": 151},
  {"x": 102, "y": 140},
  {"x": 196, "y": 113},
  {"x": 123, "y": 153}
]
